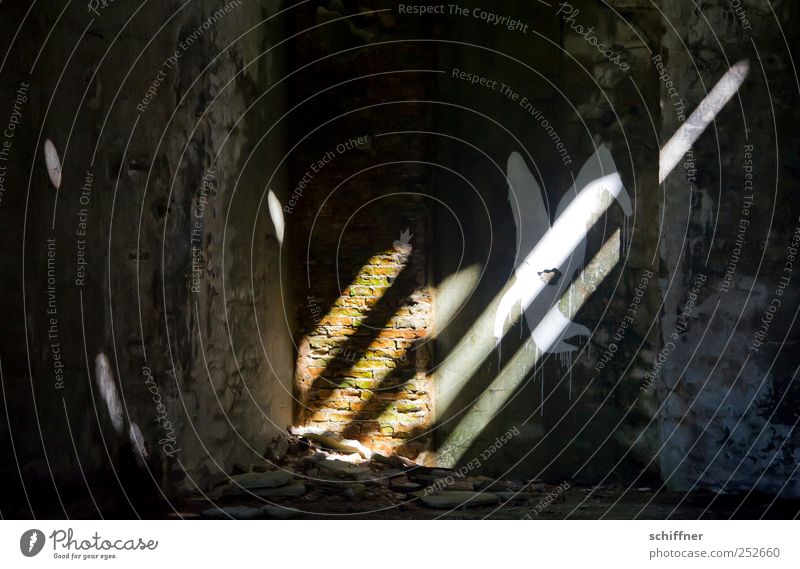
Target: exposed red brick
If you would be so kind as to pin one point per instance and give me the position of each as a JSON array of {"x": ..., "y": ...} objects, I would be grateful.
[{"x": 358, "y": 372}]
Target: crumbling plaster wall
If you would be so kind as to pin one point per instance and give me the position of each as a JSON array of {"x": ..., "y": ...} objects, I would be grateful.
[
  {"x": 182, "y": 286},
  {"x": 728, "y": 361}
]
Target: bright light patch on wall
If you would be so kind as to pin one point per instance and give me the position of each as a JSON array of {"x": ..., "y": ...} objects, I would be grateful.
[
  {"x": 108, "y": 391},
  {"x": 137, "y": 442},
  {"x": 378, "y": 375},
  {"x": 339, "y": 350},
  {"x": 276, "y": 214},
  {"x": 53, "y": 163},
  {"x": 703, "y": 115},
  {"x": 458, "y": 287},
  {"x": 370, "y": 302}
]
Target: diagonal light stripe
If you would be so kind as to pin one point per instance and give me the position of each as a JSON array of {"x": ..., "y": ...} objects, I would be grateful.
[
  {"x": 703, "y": 115},
  {"x": 513, "y": 374},
  {"x": 477, "y": 343},
  {"x": 567, "y": 232}
]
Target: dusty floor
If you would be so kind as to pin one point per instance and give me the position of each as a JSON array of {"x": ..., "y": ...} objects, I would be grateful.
[
  {"x": 299, "y": 479},
  {"x": 575, "y": 503},
  {"x": 307, "y": 481}
]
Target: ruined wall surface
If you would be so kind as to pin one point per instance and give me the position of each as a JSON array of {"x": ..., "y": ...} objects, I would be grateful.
[
  {"x": 138, "y": 345},
  {"x": 212, "y": 268},
  {"x": 358, "y": 217},
  {"x": 726, "y": 371},
  {"x": 555, "y": 99}
]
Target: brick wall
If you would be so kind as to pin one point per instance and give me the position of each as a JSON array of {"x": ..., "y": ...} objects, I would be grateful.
[{"x": 363, "y": 303}]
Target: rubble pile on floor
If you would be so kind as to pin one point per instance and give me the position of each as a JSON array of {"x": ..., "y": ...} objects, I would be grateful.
[{"x": 315, "y": 472}]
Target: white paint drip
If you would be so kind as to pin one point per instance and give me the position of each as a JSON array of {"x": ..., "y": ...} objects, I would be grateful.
[
  {"x": 541, "y": 383},
  {"x": 565, "y": 360}
]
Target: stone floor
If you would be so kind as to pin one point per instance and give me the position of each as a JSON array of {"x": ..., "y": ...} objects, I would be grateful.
[
  {"x": 306, "y": 480},
  {"x": 575, "y": 503}
]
